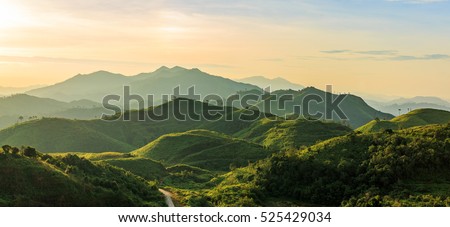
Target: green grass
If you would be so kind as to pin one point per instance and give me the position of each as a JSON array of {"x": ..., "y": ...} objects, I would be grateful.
[
  {"x": 291, "y": 134},
  {"x": 143, "y": 167},
  {"x": 414, "y": 118},
  {"x": 201, "y": 148}
]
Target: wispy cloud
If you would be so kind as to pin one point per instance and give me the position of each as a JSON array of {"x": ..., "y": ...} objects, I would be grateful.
[
  {"x": 392, "y": 55},
  {"x": 425, "y": 57}
]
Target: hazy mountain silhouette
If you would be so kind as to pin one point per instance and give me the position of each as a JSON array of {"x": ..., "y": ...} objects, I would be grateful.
[
  {"x": 404, "y": 105},
  {"x": 162, "y": 81},
  {"x": 275, "y": 84},
  {"x": 4, "y": 91}
]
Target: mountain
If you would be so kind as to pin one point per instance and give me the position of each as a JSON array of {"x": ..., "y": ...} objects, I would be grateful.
[
  {"x": 6, "y": 91},
  {"x": 22, "y": 104},
  {"x": 421, "y": 99},
  {"x": 404, "y": 105},
  {"x": 291, "y": 134},
  {"x": 414, "y": 118},
  {"x": 21, "y": 107},
  {"x": 275, "y": 84},
  {"x": 405, "y": 168},
  {"x": 97, "y": 85},
  {"x": 353, "y": 107},
  {"x": 201, "y": 148},
  {"x": 33, "y": 179}
]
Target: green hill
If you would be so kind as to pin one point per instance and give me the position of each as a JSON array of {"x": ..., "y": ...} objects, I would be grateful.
[
  {"x": 290, "y": 134},
  {"x": 355, "y": 108},
  {"x": 42, "y": 180},
  {"x": 61, "y": 135},
  {"x": 202, "y": 148},
  {"x": 143, "y": 167},
  {"x": 414, "y": 118},
  {"x": 117, "y": 134},
  {"x": 404, "y": 168}
]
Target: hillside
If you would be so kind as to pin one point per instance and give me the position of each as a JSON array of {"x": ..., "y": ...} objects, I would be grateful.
[
  {"x": 42, "y": 180},
  {"x": 290, "y": 134},
  {"x": 405, "y": 168},
  {"x": 117, "y": 134},
  {"x": 161, "y": 81},
  {"x": 355, "y": 108},
  {"x": 414, "y": 118},
  {"x": 202, "y": 148},
  {"x": 21, "y": 107},
  {"x": 61, "y": 135},
  {"x": 143, "y": 167}
]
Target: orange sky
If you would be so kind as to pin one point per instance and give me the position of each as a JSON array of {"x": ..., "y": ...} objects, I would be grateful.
[{"x": 390, "y": 48}]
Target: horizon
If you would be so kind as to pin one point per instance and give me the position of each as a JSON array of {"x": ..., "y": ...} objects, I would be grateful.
[{"x": 384, "y": 47}]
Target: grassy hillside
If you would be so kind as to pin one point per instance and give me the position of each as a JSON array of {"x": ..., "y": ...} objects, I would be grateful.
[
  {"x": 61, "y": 135},
  {"x": 202, "y": 148},
  {"x": 414, "y": 118},
  {"x": 116, "y": 134},
  {"x": 405, "y": 168},
  {"x": 290, "y": 134},
  {"x": 143, "y": 167},
  {"x": 354, "y": 107},
  {"x": 33, "y": 179}
]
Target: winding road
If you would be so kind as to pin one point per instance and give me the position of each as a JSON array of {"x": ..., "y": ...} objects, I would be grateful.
[{"x": 168, "y": 197}]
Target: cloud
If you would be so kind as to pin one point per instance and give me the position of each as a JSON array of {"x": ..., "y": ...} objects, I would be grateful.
[
  {"x": 377, "y": 52},
  {"x": 424, "y": 57},
  {"x": 392, "y": 55}
]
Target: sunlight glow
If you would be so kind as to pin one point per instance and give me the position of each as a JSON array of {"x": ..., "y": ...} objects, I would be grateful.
[{"x": 10, "y": 15}]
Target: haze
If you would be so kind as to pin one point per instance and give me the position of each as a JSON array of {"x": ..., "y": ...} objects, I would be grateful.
[{"x": 395, "y": 47}]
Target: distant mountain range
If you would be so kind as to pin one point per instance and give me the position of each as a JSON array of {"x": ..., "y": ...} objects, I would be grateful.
[
  {"x": 404, "y": 105},
  {"x": 97, "y": 85},
  {"x": 274, "y": 84},
  {"x": 21, "y": 107},
  {"x": 5, "y": 91}
]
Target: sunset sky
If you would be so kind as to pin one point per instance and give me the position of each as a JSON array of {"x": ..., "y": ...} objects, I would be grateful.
[{"x": 389, "y": 47}]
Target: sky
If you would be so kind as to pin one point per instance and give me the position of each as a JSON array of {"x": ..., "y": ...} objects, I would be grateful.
[{"x": 386, "y": 47}]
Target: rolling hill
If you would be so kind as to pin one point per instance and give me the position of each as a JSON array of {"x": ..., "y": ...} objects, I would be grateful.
[
  {"x": 202, "y": 148},
  {"x": 34, "y": 179},
  {"x": 404, "y": 168},
  {"x": 161, "y": 81},
  {"x": 414, "y": 118},
  {"x": 117, "y": 134},
  {"x": 355, "y": 108},
  {"x": 290, "y": 134}
]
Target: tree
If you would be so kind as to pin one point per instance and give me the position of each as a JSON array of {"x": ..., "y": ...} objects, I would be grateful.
[
  {"x": 30, "y": 152},
  {"x": 21, "y": 118},
  {"x": 6, "y": 148},
  {"x": 15, "y": 150}
]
